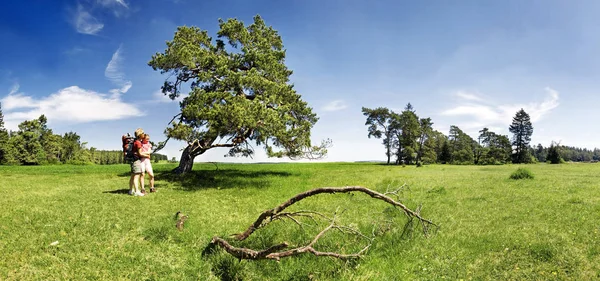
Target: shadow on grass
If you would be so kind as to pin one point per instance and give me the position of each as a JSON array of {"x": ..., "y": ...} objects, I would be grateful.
[
  {"x": 221, "y": 179},
  {"x": 118, "y": 191}
]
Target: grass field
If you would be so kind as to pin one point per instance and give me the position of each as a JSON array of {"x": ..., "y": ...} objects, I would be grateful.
[{"x": 492, "y": 227}]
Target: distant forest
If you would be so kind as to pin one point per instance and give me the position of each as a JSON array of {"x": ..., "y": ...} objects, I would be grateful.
[
  {"x": 409, "y": 139},
  {"x": 35, "y": 144}
]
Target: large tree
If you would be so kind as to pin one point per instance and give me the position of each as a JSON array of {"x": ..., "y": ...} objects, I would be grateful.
[
  {"x": 404, "y": 131},
  {"x": 240, "y": 92},
  {"x": 493, "y": 148},
  {"x": 409, "y": 122},
  {"x": 522, "y": 130},
  {"x": 379, "y": 120},
  {"x": 27, "y": 142},
  {"x": 462, "y": 146}
]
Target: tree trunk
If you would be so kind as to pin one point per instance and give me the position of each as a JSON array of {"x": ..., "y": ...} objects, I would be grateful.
[
  {"x": 419, "y": 153},
  {"x": 388, "y": 147},
  {"x": 388, "y": 155},
  {"x": 186, "y": 162}
]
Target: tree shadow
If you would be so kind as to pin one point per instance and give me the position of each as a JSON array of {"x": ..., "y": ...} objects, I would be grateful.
[{"x": 221, "y": 179}]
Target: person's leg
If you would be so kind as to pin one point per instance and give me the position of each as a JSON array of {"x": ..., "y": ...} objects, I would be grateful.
[
  {"x": 142, "y": 176},
  {"x": 137, "y": 171},
  {"x": 131, "y": 178},
  {"x": 151, "y": 175},
  {"x": 131, "y": 190},
  {"x": 142, "y": 183},
  {"x": 136, "y": 182}
]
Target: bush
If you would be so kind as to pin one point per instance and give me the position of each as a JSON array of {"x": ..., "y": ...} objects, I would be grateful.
[{"x": 521, "y": 173}]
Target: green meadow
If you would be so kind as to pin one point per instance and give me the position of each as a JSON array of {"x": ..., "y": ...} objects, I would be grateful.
[{"x": 77, "y": 222}]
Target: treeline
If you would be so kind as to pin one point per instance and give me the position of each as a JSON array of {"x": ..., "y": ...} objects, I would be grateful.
[
  {"x": 35, "y": 144},
  {"x": 566, "y": 153},
  {"x": 409, "y": 139}
]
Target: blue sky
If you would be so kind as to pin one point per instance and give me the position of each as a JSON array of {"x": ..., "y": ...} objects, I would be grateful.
[{"x": 467, "y": 63}]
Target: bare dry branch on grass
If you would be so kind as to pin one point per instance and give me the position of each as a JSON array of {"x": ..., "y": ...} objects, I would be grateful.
[
  {"x": 275, "y": 252},
  {"x": 268, "y": 214}
]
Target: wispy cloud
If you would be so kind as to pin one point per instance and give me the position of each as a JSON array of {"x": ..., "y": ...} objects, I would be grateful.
[
  {"x": 501, "y": 115},
  {"x": 113, "y": 71},
  {"x": 68, "y": 105},
  {"x": 119, "y": 7},
  {"x": 468, "y": 96},
  {"x": 14, "y": 89},
  {"x": 115, "y": 74},
  {"x": 108, "y": 3},
  {"x": 85, "y": 23},
  {"x": 75, "y": 51},
  {"x": 335, "y": 105}
]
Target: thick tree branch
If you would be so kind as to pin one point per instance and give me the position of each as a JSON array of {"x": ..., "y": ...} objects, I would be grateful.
[
  {"x": 245, "y": 253},
  {"x": 329, "y": 190},
  {"x": 274, "y": 254}
]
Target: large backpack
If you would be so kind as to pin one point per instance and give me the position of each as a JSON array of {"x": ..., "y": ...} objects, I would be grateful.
[{"x": 128, "y": 153}]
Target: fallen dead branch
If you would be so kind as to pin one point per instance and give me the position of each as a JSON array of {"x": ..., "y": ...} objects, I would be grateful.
[
  {"x": 268, "y": 215},
  {"x": 274, "y": 254},
  {"x": 279, "y": 251}
]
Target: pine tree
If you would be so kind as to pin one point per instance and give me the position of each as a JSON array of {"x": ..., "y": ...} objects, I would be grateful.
[
  {"x": 554, "y": 154},
  {"x": 522, "y": 130}
]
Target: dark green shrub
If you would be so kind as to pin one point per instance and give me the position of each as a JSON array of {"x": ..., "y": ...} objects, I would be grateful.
[{"x": 521, "y": 173}]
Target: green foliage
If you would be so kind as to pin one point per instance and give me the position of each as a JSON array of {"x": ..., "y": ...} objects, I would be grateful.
[
  {"x": 240, "y": 91},
  {"x": 522, "y": 130},
  {"x": 521, "y": 173},
  {"x": 425, "y": 146},
  {"x": 379, "y": 122},
  {"x": 462, "y": 146},
  {"x": 35, "y": 144},
  {"x": 445, "y": 156},
  {"x": 554, "y": 154},
  {"x": 495, "y": 149}
]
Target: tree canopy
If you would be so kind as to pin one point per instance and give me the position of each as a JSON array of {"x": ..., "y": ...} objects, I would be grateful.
[{"x": 240, "y": 93}]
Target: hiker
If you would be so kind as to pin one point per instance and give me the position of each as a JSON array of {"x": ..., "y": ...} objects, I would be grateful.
[
  {"x": 137, "y": 169},
  {"x": 146, "y": 163}
]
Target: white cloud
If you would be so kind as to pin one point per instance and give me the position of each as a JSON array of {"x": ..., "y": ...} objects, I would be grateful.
[
  {"x": 468, "y": 96},
  {"x": 335, "y": 105},
  {"x": 501, "y": 115},
  {"x": 117, "y": 92},
  {"x": 159, "y": 97},
  {"x": 68, "y": 105},
  {"x": 119, "y": 7},
  {"x": 536, "y": 111},
  {"x": 85, "y": 23},
  {"x": 114, "y": 73}
]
